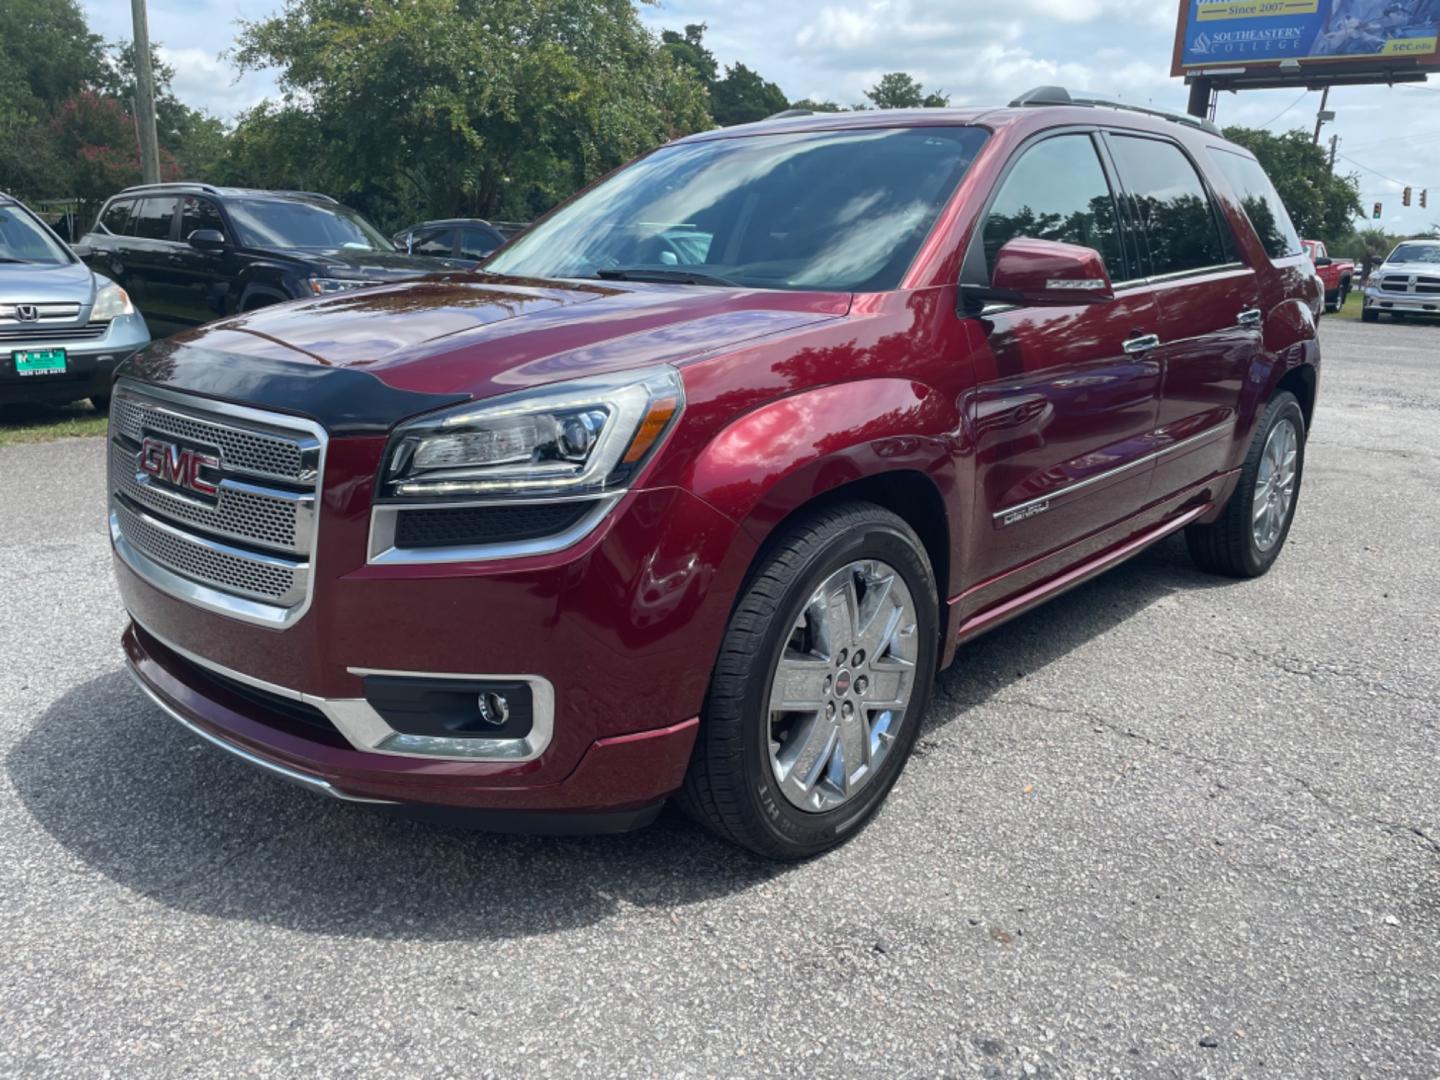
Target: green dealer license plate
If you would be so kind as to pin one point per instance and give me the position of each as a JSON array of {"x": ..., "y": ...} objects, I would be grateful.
[{"x": 39, "y": 362}]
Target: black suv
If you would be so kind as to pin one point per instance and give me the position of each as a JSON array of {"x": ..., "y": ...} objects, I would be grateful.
[{"x": 191, "y": 253}]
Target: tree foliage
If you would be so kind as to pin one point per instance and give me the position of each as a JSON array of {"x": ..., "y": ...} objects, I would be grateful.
[
  {"x": 897, "y": 90},
  {"x": 1321, "y": 203},
  {"x": 487, "y": 107}
]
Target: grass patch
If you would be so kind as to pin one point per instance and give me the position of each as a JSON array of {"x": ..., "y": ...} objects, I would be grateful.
[
  {"x": 41, "y": 423},
  {"x": 1351, "y": 311}
]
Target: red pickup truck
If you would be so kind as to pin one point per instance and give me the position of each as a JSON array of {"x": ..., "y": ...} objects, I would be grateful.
[
  {"x": 1335, "y": 274},
  {"x": 694, "y": 488}
]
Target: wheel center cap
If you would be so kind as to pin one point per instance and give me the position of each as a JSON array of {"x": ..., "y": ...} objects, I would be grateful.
[{"x": 842, "y": 683}]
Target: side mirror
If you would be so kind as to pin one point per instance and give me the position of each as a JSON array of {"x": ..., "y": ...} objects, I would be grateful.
[
  {"x": 1047, "y": 272},
  {"x": 1323, "y": 260},
  {"x": 207, "y": 239}
]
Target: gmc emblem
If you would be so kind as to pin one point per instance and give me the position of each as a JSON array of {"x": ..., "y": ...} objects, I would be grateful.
[{"x": 178, "y": 465}]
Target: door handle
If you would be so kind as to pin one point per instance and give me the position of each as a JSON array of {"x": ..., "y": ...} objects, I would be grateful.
[
  {"x": 1141, "y": 343},
  {"x": 1249, "y": 317}
]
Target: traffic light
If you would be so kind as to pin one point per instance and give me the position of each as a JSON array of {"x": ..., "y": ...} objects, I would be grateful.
[
  {"x": 1405, "y": 198},
  {"x": 1376, "y": 214},
  {"x": 1423, "y": 193}
]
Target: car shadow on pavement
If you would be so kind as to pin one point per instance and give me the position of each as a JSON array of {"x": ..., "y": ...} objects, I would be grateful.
[{"x": 136, "y": 797}]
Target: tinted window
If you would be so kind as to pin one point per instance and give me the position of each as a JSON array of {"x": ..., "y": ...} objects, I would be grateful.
[
  {"x": 196, "y": 213},
  {"x": 1173, "y": 205},
  {"x": 152, "y": 218},
  {"x": 1261, "y": 202},
  {"x": 1057, "y": 191},
  {"x": 116, "y": 216},
  {"x": 476, "y": 243},
  {"x": 842, "y": 210},
  {"x": 433, "y": 242}
]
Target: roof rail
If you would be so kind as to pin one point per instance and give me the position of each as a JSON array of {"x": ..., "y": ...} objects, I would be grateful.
[
  {"x": 309, "y": 195},
  {"x": 173, "y": 184},
  {"x": 786, "y": 114},
  {"x": 1058, "y": 95}
]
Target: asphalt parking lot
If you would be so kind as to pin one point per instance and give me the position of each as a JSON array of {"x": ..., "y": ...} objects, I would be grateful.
[{"x": 1167, "y": 826}]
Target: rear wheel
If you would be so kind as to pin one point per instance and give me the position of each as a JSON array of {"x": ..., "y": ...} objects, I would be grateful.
[
  {"x": 101, "y": 402},
  {"x": 1248, "y": 537},
  {"x": 820, "y": 685}
]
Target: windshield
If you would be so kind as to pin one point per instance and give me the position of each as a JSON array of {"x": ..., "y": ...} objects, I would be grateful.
[
  {"x": 274, "y": 224},
  {"x": 1415, "y": 253},
  {"x": 843, "y": 210},
  {"x": 25, "y": 240}
]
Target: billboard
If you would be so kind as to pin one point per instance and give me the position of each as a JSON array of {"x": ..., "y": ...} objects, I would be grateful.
[{"x": 1256, "y": 34}]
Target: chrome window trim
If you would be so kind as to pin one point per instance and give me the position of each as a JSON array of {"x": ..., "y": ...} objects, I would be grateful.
[
  {"x": 1090, "y": 481},
  {"x": 366, "y": 730},
  {"x": 384, "y": 520},
  {"x": 294, "y": 776}
]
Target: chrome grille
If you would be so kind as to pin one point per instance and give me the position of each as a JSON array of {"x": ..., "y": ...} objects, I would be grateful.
[
  {"x": 28, "y": 332},
  {"x": 273, "y": 453},
  {"x": 245, "y": 549},
  {"x": 1395, "y": 284},
  {"x": 46, "y": 313}
]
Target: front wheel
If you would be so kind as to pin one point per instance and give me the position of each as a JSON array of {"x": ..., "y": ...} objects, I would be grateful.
[
  {"x": 822, "y": 679},
  {"x": 1369, "y": 315},
  {"x": 1247, "y": 538}
]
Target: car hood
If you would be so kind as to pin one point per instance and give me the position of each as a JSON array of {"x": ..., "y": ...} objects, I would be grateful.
[
  {"x": 43, "y": 283},
  {"x": 369, "y": 265},
  {"x": 470, "y": 335}
]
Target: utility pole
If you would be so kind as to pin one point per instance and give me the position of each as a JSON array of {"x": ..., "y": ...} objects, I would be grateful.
[
  {"x": 145, "y": 96},
  {"x": 1334, "y": 149},
  {"x": 1322, "y": 115}
]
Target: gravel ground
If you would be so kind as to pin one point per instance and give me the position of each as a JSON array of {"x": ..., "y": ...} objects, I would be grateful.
[{"x": 1166, "y": 826}]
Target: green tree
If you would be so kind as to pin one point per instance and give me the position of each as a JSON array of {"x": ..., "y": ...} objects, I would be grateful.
[
  {"x": 1321, "y": 203},
  {"x": 194, "y": 137},
  {"x": 488, "y": 107},
  {"x": 47, "y": 55},
  {"x": 688, "y": 50},
  {"x": 817, "y": 106},
  {"x": 744, "y": 96},
  {"x": 897, "y": 90}
]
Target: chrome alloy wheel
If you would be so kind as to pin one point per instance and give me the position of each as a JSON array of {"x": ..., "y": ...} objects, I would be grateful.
[
  {"x": 1275, "y": 485},
  {"x": 842, "y": 685}
]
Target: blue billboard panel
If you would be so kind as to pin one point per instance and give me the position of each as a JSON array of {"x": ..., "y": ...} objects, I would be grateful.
[{"x": 1227, "y": 33}]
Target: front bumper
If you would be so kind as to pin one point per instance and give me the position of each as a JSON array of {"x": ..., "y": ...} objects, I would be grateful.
[
  {"x": 91, "y": 364},
  {"x": 620, "y": 781},
  {"x": 1408, "y": 303}
]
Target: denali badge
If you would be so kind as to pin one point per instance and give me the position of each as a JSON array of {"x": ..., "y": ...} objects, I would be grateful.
[
  {"x": 1023, "y": 513},
  {"x": 178, "y": 465}
]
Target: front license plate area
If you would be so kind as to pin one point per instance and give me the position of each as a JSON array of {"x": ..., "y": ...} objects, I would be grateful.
[{"x": 40, "y": 361}]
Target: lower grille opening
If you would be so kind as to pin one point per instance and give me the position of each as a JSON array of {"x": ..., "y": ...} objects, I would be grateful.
[{"x": 466, "y": 526}]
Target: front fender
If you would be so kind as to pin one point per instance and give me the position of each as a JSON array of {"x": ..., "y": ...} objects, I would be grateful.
[{"x": 769, "y": 462}]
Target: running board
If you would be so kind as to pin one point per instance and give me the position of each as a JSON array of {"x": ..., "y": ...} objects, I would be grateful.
[{"x": 990, "y": 618}]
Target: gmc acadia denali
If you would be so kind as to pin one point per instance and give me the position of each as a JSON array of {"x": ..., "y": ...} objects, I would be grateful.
[{"x": 693, "y": 489}]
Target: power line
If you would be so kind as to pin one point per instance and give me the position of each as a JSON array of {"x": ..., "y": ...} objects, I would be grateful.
[
  {"x": 1287, "y": 108},
  {"x": 1366, "y": 168}
]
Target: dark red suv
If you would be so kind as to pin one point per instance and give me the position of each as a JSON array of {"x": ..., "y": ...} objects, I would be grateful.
[{"x": 693, "y": 490}]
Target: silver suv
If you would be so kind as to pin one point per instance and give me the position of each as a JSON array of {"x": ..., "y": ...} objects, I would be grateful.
[
  {"x": 63, "y": 328},
  {"x": 1407, "y": 283}
]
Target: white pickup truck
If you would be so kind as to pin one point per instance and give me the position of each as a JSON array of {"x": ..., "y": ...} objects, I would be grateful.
[{"x": 1407, "y": 283}]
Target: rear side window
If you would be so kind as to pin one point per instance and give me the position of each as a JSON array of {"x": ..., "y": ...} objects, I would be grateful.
[
  {"x": 476, "y": 243},
  {"x": 196, "y": 214},
  {"x": 116, "y": 216},
  {"x": 1057, "y": 191},
  {"x": 1261, "y": 202},
  {"x": 152, "y": 218},
  {"x": 1172, "y": 204}
]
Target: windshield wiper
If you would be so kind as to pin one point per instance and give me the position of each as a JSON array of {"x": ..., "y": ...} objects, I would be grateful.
[
  {"x": 7, "y": 259},
  {"x": 664, "y": 276}
]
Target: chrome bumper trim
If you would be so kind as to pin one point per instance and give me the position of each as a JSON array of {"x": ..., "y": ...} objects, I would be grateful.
[
  {"x": 384, "y": 521},
  {"x": 366, "y": 730},
  {"x": 294, "y": 776}
]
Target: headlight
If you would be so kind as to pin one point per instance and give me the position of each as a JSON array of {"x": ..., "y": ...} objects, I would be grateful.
[
  {"x": 111, "y": 302},
  {"x": 577, "y": 438},
  {"x": 322, "y": 286}
]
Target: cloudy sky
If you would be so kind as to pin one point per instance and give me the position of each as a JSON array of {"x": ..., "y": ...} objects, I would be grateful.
[{"x": 978, "y": 51}]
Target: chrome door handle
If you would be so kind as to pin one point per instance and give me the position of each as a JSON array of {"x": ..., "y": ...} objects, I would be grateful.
[
  {"x": 1142, "y": 343},
  {"x": 1249, "y": 317}
]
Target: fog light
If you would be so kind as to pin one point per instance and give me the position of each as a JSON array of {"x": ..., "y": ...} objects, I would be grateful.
[{"x": 494, "y": 709}]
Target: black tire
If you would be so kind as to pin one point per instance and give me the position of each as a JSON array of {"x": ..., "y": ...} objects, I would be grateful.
[
  {"x": 730, "y": 786},
  {"x": 101, "y": 402},
  {"x": 1369, "y": 315},
  {"x": 1344, "y": 294},
  {"x": 1228, "y": 545}
]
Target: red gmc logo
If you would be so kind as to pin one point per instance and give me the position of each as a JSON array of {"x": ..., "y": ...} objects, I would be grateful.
[{"x": 178, "y": 465}]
